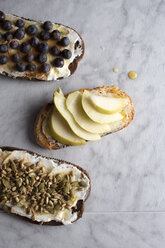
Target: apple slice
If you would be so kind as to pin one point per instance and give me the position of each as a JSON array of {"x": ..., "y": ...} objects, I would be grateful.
[
  {"x": 61, "y": 131},
  {"x": 60, "y": 104},
  {"x": 60, "y": 91},
  {"x": 74, "y": 105},
  {"x": 94, "y": 114},
  {"x": 107, "y": 105}
]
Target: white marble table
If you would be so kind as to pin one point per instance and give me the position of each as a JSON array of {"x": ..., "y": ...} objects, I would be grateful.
[{"x": 127, "y": 203}]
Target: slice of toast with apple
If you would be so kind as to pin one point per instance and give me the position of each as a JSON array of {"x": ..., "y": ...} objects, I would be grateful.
[{"x": 83, "y": 115}]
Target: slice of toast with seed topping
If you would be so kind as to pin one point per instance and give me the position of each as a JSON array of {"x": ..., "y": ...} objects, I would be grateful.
[{"x": 41, "y": 190}]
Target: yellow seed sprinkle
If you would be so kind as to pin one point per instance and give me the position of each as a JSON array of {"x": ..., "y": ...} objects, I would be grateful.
[
  {"x": 115, "y": 69},
  {"x": 132, "y": 75}
]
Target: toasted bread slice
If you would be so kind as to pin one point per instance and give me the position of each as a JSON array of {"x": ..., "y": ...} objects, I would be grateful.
[
  {"x": 76, "y": 47},
  {"x": 45, "y": 169},
  {"x": 43, "y": 141}
]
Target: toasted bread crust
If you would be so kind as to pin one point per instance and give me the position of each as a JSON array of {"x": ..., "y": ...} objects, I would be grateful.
[
  {"x": 45, "y": 143},
  {"x": 80, "y": 204},
  {"x": 42, "y": 77}
]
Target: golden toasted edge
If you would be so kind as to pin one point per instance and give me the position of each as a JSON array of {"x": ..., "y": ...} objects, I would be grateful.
[
  {"x": 44, "y": 142},
  {"x": 40, "y": 137},
  {"x": 72, "y": 67},
  {"x": 80, "y": 204}
]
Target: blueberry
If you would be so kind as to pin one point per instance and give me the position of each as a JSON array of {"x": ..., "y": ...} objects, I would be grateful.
[
  {"x": 31, "y": 67},
  {"x": 3, "y": 59},
  {"x": 20, "y": 66},
  {"x": 34, "y": 41},
  {"x": 20, "y": 23},
  {"x": 56, "y": 35},
  {"x": 3, "y": 48},
  {"x": 65, "y": 41},
  {"x": 8, "y": 36},
  {"x": 14, "y": 44},
  {"x": 47, "y": 25},
  {"x": 32, "y": 30},
  {"x": 25, "y": 47},
  {"x": 16, "y": 58},
  {"x": 55, "y": 51},
  {"x": 2, "y": 16},
  {"x": 19, "y": 34},
  {"x": 66, "y": 54},
  {"x": 45, "y": 68},
  {"x": 42, "y": 58},
  {"x": 29, "y": 57},
  {"x": 45, "y": 35},
  {"x": 1, "y": 36},
  {"x": 6, "y": 25},
  {"x": 43, "y": 47},
  {"x": 58, "y": 62}
]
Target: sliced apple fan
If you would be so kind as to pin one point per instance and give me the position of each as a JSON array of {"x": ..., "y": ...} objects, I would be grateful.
[{"x": 83, "y": 116}]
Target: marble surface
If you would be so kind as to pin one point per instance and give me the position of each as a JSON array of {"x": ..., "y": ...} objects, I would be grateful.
[{"x": 127, "y": 202}]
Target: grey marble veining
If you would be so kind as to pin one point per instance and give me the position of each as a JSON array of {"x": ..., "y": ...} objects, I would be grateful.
[
  {"x": 94, "y": 230},
  {"x": 126, "y": 168}
]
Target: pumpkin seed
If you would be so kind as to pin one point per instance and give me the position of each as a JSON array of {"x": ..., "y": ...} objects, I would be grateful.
[
  {"x": 50, "y": 191},
  {"x": 75, "y": 184},
  {"x": 32, "y": 182},
  {"x": 83, "y": 184},
  {"x": 51, "y": 203},
  {"x": 27, "y": 181},
  {"x": 58, "y": 177},
  {"x": 57, "y": 207},
  {"x": 42, "y": 190},
  {"x": 6, "y": 183},
  {"x": 72, "y": 192},
  {"x": 2, "y": 202},
  {"x": 23, "y": 189},
  {"x": 66, "y": 188},
  {"x": 13, "y": 166},
  {"x": 50, "y": 209},
  {"x": 19, "y": 182},
  {"x": 21, "y": 203}
]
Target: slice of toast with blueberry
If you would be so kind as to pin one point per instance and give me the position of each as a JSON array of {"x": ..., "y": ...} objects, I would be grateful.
[{"x": 38, "y": 50}]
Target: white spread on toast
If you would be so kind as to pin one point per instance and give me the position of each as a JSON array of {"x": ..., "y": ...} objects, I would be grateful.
[{"x": 64, "y": 216}]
